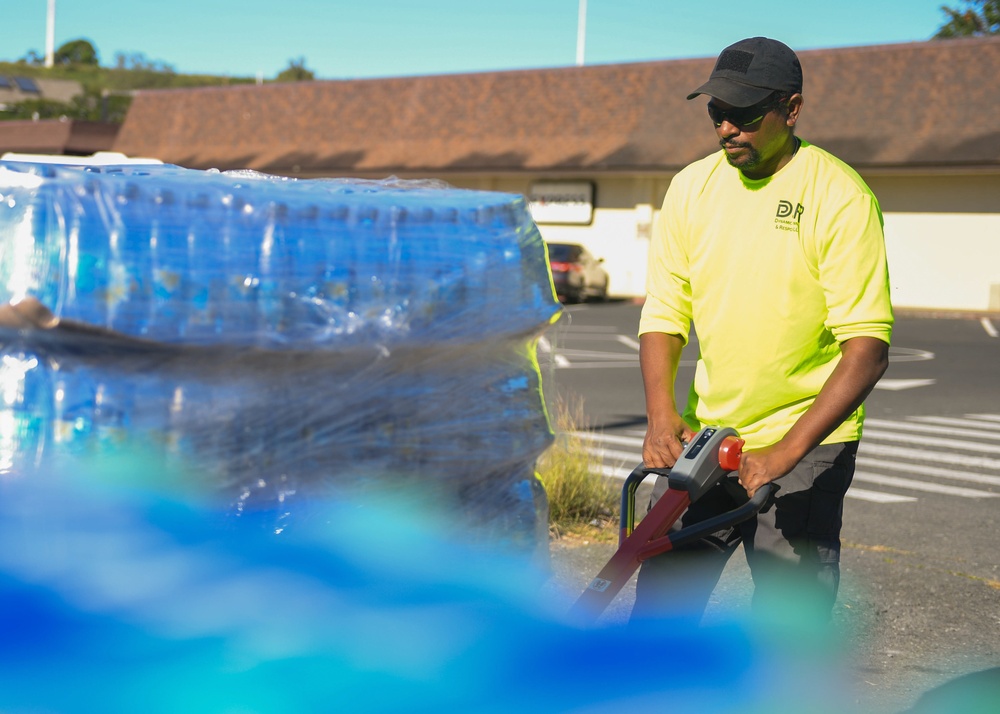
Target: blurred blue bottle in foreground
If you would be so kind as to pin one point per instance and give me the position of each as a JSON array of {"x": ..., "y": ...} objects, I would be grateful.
[{"x": 129, "y": 599}]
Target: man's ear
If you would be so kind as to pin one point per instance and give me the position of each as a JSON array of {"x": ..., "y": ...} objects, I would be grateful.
[{"x": 794, "y": 106}]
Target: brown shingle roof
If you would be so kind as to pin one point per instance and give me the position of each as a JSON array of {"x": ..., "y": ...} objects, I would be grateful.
[{"x": 930, "y": 104}]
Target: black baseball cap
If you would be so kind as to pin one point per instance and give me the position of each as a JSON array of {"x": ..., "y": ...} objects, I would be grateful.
[{"x": 750, "y": 70}]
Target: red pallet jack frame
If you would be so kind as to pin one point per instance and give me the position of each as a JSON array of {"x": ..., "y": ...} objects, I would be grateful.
[{"x": 712, "y": 454}]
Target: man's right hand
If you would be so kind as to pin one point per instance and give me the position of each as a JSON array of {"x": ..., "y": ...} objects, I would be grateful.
[{"x": 664, "y": 442}]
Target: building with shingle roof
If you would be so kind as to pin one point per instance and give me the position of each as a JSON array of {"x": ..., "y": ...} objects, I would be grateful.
[
  {"x": 71, "y": 137},
  {"x": 64, "y": 136},
  {"x": 917, "y": 121}
]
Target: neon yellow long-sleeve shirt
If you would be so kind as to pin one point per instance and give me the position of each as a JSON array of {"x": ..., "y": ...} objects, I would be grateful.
[{"x": 774, "y": 274}]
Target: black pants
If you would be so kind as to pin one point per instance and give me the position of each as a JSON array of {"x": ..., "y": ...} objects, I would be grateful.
[{"x": 792, "y": 546}]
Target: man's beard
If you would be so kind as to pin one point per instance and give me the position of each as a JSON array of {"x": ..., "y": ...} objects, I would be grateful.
[{"x": 750, "y": 159}]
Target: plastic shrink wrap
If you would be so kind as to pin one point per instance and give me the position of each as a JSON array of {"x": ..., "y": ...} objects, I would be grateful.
[
  {"x": 190, "y": 361},
  {"x": 283, "y": 339}
]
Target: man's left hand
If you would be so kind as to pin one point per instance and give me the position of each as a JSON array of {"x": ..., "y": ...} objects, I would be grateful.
[{"x": 761, "y": 466}]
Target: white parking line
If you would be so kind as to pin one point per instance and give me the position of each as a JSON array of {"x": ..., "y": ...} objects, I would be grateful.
[
  {"x": 909, "y": 354},
  {"x": 593, "y": 328},
  {"x": 629, "y": 342},
  {"x": 863, "y": 494},
  {"x": 618, "y": 472},
  {"x": 923, "y": 441},
  {"x": 931, "y": 429},
  {"x": 905, "y": 453},
  {"x": 922, "y": 485},
  {"x": 990, "y": 328},
  {"x": 610, "y": 438},
  {"x": 628, "y": 363},
  {"x": 625, "y": 457},
  {"x": 911, "y": 484},
  {"x": 986, "y": 422},
  {"x": 860, "y": 494},
  {"x": 934, "y": 471},
  {"x": 897, "y": 385},
  {"x": 595, "y": 354},
  {"x": 875, "y": 458}
]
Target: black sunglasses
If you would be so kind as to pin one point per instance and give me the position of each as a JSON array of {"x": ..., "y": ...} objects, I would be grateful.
[{"x": 743, "y": 116}]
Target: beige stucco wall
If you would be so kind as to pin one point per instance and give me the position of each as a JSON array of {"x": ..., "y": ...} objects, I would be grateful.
[
  {"x": 947, "y": 261},
  {"x": 943, "y": 239}
]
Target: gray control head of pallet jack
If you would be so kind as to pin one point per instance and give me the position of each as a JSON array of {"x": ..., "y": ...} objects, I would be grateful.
[{"x": 710, "y": 455}]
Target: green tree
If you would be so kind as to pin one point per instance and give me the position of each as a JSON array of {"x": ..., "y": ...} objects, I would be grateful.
[
  {"x": 100, "y": 106},
  {"x": 32, "y": 58},
  {"x": 76, "y": 52},
  {"x": 296, "y": 72},
  {"x": 137, "y": 61},
  {"x": 976, "y": 18}
]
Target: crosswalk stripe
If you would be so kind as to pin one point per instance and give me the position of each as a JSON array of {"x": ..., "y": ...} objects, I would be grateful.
[
  {"x": 609, "y": 438},
  {"x": 914, "y": 485},
  {"x": 618, "y": 472},
  {"x": 904, "y": 453},
  {"x": 863, "y": 494},
  {"x": 922, "y": 485},
  {"x": 626, "y": 457},
  {"x": 563, "y": 363},
  {"x": 876, "y": 433},
  {"x": 979, "y": 422},
  {"x": 932, "y": 459},
  {"x": 925, "y": 470},
  {"x": 922, "y": 440},
  {"x": 592, "y": 354},
  {"x": 868, "y": 446},
  {"x": 933, "y": 429}
]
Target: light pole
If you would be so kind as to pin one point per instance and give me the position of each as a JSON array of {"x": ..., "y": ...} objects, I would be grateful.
[
  {"x": 50, "y": 35},
  {"x": 581, "y": 32}
]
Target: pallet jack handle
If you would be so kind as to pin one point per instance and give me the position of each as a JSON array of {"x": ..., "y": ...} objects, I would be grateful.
[
  {"x": 708, "y": 526},
  {"x": 730, "y": 450},
  {"x": 707, "y": 458}
]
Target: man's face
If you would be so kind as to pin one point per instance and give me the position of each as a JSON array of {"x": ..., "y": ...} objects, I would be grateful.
[{"x": 757, "y": 140}]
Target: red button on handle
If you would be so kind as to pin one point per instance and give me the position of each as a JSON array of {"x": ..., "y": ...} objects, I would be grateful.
[{"x": 730, "y": 452}]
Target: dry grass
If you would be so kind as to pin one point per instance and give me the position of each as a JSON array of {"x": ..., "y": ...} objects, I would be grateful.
[{"x": 581, "y": 499}]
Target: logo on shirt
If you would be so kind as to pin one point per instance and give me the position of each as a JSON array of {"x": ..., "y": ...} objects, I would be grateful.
[{"x": 787, "y": 217}]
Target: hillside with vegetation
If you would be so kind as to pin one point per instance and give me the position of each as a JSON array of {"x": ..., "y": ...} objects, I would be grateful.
[{"x": 107, "y": 90}]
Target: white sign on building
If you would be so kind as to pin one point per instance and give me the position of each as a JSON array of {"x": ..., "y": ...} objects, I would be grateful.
[{"x": 562, "y": 202}]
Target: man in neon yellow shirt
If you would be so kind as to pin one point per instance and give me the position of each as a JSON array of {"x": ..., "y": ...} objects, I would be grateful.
[{"x": 774, "y": 249}]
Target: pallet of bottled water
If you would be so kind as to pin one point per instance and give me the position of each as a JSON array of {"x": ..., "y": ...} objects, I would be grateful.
[{"x": 276, "y": 341}]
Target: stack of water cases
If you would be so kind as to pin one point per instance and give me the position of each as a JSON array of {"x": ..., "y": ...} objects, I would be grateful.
[{"x": 283, "y": 339}]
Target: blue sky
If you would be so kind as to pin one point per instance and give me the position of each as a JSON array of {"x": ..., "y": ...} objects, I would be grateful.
[{"x": 343, "y": 39}]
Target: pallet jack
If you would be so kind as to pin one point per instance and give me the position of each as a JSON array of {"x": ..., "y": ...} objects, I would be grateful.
[{"x": 707, "y": 458}]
